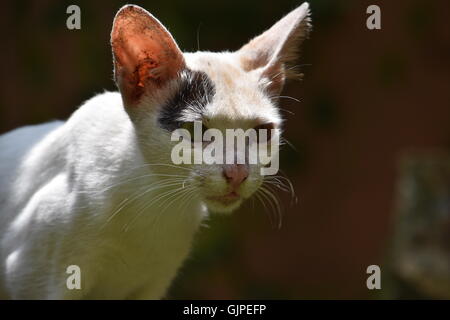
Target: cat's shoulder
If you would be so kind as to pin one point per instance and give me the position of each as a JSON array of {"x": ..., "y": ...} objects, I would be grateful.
[
  {"x": 20, "y": 140},
  {"x": 106, "y": 98},
  {"x": 99, "y": 112},
  {"x": 30, "y": 132},
  {"x": 107, "y": 101}
]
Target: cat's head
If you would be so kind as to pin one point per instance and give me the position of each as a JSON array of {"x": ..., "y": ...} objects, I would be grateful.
[{"x": 164, "y": 90}]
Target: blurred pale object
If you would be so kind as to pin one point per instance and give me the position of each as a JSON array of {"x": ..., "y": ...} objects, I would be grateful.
[{"x": 421, "y": 251}]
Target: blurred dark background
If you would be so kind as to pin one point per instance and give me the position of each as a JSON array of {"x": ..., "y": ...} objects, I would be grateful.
[{"x": 367, "y": 97}]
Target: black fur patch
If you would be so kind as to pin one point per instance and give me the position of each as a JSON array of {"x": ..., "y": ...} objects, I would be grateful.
[{"x": 195, "y": 92}]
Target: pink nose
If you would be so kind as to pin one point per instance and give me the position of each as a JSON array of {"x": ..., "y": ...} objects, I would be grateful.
[{"x": 235, "y": 174}]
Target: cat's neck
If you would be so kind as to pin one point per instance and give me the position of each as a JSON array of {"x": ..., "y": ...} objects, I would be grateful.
[{"x": 151, "y": 199}]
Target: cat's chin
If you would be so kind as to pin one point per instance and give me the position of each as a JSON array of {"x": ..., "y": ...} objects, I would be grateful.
[{"x": 216, "y": 206}]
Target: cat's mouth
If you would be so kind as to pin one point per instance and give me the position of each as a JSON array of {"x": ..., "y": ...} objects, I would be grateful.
[{"x": 226, "y": 199}]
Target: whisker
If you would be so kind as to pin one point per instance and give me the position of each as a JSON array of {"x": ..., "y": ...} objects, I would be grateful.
[
  {"x": 262, "y": 199},
  {"x": 287, "y": 111},
  {"x": 127, "y": 201},
  {"x": 152, "y": 201},
  {"x": 186, "y": 194},
  {"x": 287, "y": 182},
  {"x": 136, "y": 178},
  {"x": 274, "y": 204},
  {"x": 289, "y": 97},
  {"x": 186, "y": 197},
  {"x": 284, "y": 140}
]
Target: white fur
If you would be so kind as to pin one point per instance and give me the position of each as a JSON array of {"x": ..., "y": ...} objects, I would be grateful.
[
  {"x": 98, "y": 191},
  {"x": 56, "y": 200},
  {"x": 52, "y": 212}
]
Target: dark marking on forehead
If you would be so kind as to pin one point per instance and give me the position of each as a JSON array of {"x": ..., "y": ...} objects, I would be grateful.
[{"x": 196, "y": 90}]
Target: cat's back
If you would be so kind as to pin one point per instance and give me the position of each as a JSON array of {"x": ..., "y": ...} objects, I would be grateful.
[
  {"x": 16, "y": 144},
  {"x": 18, "y": 141},
  {"x": 30, "y": 154},
  {"x": 15, "y": 147}
]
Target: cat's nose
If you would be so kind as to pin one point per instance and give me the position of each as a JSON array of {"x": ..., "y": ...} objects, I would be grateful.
[{"x": 235, "y": 174}]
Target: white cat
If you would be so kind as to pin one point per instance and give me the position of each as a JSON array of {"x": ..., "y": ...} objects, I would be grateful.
[{"x": 100, "y": 191}]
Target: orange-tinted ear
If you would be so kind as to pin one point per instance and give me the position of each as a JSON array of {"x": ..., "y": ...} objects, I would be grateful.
[
  {"x": 277, "y": 47},
  {"x": 146, "y": 56}
]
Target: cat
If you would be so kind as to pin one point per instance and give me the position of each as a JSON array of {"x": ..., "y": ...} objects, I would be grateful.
[{"x": 100, "y": 192}]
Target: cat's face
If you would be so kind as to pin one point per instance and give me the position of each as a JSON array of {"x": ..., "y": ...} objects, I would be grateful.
[{"x": 165, "y": 90}]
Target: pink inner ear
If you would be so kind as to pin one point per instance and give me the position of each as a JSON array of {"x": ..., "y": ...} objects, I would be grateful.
[
  {"x": 146, "y": 55},
  {"x": 276, "y": 47}
]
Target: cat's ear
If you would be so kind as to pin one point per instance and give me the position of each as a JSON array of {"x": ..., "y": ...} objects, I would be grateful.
[
  {"x": 274, "y": 50},
  {"x": 146, "y": 57}
]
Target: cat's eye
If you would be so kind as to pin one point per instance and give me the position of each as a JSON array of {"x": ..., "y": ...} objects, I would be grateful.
[{"x": 266, "y": 132}]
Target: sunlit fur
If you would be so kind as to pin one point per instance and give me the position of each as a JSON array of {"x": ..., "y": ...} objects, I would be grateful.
[{"x": 100, "y": 190}]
